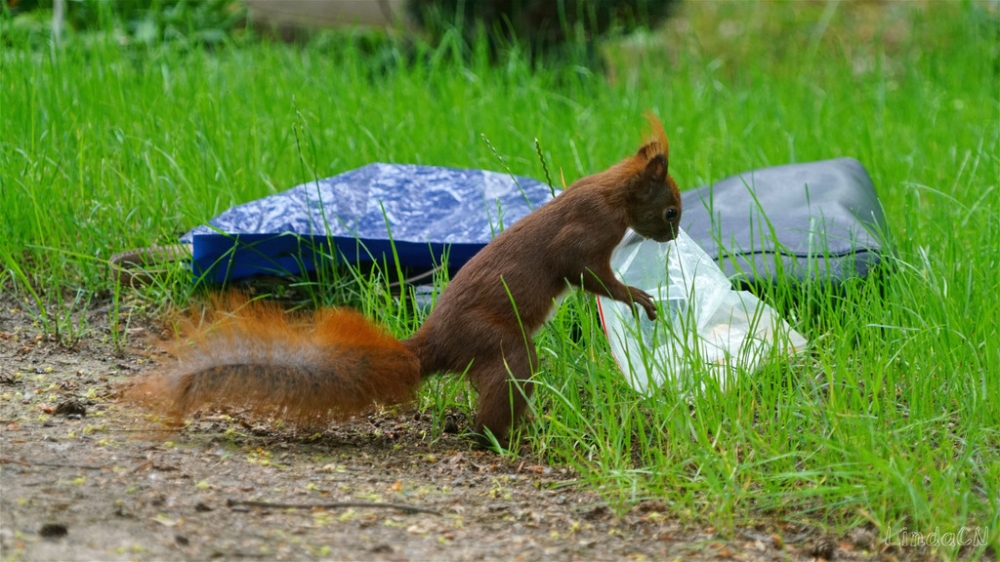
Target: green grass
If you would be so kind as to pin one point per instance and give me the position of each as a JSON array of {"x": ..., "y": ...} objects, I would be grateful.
[{"x": 893, "y": 418}]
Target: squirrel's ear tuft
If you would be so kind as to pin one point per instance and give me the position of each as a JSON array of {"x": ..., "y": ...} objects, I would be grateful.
[
  {"x": 656, "y": 168},
  {"x": 657, "y": 144},
  {"x": 659, "y": 136},
  {"x": 648, "y": 150}
]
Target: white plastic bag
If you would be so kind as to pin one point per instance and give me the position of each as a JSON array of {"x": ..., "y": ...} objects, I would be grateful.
[{"x": 704, "y": 326}]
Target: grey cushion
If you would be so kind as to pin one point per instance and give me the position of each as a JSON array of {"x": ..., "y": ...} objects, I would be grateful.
[{"x": 818, "y": 220}]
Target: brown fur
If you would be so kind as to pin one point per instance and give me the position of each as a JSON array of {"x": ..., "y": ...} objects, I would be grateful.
[
  {"x": 482, "y": 324},
  {"x": 330, "y": 365},
  {"x": 475, "y": 328}
]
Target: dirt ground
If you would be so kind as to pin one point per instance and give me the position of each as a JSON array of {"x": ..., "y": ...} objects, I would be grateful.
[{"x": 87, "y": 478}]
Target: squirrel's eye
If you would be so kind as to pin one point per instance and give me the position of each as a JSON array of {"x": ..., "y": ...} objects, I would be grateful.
[{"x": 670, "y": 214}]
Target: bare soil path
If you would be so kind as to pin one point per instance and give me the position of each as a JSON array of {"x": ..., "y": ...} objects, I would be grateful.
[{"x": 84, "y": 477}]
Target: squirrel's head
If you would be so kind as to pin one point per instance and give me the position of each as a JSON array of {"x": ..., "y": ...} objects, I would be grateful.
[{"x": 654, "y": 202}]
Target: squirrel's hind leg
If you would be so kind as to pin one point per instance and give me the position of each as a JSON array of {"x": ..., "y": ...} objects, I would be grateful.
[{"x": 504, "y": 385}]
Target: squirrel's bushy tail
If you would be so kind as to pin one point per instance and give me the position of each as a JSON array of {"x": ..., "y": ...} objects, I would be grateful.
[{"x": 249, "y": 354}]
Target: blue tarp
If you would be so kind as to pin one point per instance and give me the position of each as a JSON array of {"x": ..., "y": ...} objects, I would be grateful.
[{"x": 425, "y": 210}]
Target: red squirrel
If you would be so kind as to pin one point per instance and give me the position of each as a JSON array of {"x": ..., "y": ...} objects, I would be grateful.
[{"x": 340, "y": 363}]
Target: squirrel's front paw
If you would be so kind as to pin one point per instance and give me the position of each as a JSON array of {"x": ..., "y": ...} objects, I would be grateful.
[{"x": 643, "y": 299}]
